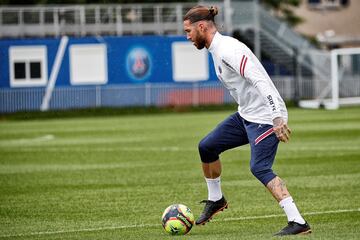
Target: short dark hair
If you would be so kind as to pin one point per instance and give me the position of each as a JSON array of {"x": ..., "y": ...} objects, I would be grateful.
[{"x": 199, "y": 13}]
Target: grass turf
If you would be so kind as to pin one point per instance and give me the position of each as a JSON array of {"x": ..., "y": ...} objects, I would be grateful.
[{"x": 111, "y": 177}]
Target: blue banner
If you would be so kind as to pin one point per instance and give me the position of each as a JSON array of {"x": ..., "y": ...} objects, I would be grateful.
[{"x": 130, "y": 59}]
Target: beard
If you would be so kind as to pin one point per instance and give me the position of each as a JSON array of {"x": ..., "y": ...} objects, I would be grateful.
[
  {"x": 200, "y": 44},
  {"x": 199, "y": 41}
]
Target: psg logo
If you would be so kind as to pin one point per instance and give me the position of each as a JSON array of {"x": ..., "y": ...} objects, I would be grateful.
[{"x": 138, "y": 64}]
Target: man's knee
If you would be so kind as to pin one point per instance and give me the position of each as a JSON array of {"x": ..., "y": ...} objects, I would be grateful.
[
  {"x": 263, "y": 174},
  {"x": 207, "y": 151}
]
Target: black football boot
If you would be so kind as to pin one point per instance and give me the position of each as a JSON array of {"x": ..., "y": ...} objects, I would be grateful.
[
  {"x": 211, "y": 208},
  {"x": 294, "y": 228}
]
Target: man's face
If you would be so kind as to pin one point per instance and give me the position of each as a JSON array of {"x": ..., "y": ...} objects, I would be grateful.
[{"x": 193, "y": 34}]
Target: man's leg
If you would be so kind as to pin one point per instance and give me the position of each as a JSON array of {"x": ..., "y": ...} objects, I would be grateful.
[
  {"x": 263, "y": 150},
  {"x": 296, "y": 223},
  {"x": 279, "y": 190},
  {"x": 212, "y": 172},
  {"x": 228, "y": 134}
]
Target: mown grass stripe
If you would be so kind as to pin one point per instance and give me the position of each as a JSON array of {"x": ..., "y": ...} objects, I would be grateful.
[{"x": 158, "y": 225}]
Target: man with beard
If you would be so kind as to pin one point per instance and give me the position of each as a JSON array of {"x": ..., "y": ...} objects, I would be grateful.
[{"x": 261, "y": 119}]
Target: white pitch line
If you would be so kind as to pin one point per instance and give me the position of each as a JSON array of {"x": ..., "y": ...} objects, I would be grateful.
[
  {"x": 281, "y": 215},
  {"x": 82, "y": 230},
  {"x": 158, "y": 225},
  {"x": 24, "y": 141}
]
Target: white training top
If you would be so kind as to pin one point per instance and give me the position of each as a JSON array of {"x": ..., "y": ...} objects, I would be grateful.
[{"x": 242, "y": 74}]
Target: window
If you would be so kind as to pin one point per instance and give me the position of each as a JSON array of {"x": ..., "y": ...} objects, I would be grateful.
[
  {"x": 88, "y": 64},
  {"x": 20, "y": 70},
  {"x": 324, "y": 4},
  {"x": 28, "y": 66},
  {"x": 35, "y": 70}
]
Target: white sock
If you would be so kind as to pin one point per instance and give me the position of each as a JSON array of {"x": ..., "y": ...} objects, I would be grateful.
[
  {"x": 291, "y": 210},
  {"x": 214, "y": 189}
]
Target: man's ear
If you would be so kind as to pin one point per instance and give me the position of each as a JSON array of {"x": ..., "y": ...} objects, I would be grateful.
[{"x": 201, "y": 26}]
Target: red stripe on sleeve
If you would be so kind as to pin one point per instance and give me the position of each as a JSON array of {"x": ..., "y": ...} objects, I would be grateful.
[
  {"x": 241, "y": 63},
  {"x": 243, "y": 67}
]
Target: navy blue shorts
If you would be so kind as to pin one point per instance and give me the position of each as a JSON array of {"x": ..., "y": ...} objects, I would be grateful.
[{"x": 236, "y": 131}]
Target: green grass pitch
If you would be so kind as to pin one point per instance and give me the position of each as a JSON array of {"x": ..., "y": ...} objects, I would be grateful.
[{"x": 112, "y": 177}]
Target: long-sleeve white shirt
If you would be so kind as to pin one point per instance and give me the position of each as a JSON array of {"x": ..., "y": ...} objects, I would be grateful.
[{"x": 242, "y": 74}]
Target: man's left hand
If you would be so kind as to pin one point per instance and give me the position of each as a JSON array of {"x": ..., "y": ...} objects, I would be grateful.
[{"x": 281, "y": 129}]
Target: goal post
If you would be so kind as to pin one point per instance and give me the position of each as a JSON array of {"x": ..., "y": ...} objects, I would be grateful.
[
  {"x": 340, "y": 81},
  {"x": 345, "y": 77}
]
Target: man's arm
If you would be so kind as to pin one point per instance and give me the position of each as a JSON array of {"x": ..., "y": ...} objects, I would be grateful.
[{"x": 260, "y": 81}]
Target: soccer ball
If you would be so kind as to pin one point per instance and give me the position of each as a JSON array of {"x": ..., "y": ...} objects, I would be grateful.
[{"x": 177, "y": 219}]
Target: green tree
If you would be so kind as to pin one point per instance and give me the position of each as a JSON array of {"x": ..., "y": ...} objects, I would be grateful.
[{"x": 283, "y": 10}]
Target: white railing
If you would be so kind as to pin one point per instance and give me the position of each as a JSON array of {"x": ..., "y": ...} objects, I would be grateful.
[
  {"x": 149, "y": 94},
  {"x": 281, "y": 30},
  {"x": 106, "y": 19}
]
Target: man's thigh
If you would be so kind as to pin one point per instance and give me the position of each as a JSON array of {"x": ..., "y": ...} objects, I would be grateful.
[
  {"x": 230, "y": 133},
  {"x": 264, "y": 143}
]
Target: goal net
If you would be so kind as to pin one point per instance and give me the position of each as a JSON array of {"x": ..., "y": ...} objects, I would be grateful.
[{"x": 333, "y": 79}]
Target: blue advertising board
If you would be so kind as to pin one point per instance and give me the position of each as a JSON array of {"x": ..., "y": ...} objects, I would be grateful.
[{"x": 130, "y": 59}]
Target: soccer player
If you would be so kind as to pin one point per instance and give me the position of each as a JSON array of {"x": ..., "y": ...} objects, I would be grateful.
[{"x": 261, "y": 119}]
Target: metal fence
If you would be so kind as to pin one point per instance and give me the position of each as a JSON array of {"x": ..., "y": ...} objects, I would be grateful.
[
  {"x": 84, "y": 20},
  {"x": 150, "y": 94}
]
